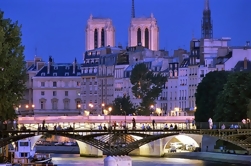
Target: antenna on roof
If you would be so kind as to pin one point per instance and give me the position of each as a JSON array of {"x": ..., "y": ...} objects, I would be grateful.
[
  {"x": 35, "y": 51},
  {"x": 133, "y": 9}
]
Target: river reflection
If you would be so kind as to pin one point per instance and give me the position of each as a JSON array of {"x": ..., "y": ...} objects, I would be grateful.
[{"x": 75, "y": 160}]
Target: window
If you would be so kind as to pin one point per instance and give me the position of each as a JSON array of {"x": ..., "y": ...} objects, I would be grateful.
[
  {"x": 42, "y": 74},
  {"x": 78, "y": 83},
  {"x": 54, "y": 93},
  {"x": 146, "y": 38},
  {"x": 54, "y": 105},
  {"x": 24, "y": 143},
  {"x": 66, "y": 74},
  {"x": 96, "y": 38},
  {"x": 54, "y": 84},
  {"x": 24, "y": 154},
  {"x": 138, "y": 36},
  {"x": 66, "y": 105},
  {"x": 55, "y": 68},
  {"x": 54, "y": 74},
  {"x": 66, "y": 93},
  {"x": 102, "y": 38},
  {"x": 67, "y": 68},
  {"x": 42, "y": 105},
  {"x": 42, "y": 84},
  {"x": 42, "y": 93}
]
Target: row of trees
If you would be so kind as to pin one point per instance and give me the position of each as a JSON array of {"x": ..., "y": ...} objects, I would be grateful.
[
  {"x": 224, "y": 97},
  {"x": 146, "y": 86}
]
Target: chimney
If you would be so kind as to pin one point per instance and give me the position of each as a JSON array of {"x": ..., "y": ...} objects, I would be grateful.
[
  {"x": 49, "y": 65},
  {"x": 74, "y": 66},
  {"x": 245, "y": 63}
]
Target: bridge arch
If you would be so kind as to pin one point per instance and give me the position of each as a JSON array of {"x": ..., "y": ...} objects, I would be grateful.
[{"x": 186, "y": 139}]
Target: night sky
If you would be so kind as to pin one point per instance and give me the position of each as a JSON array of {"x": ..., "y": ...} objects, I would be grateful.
[{"x": 56, "y": 27}]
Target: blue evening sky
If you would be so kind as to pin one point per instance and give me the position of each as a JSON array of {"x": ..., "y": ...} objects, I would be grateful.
[{"x": 56, "y": 27}]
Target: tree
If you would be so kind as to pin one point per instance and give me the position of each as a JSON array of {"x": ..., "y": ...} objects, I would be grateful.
[
  {"x": 122, "y": 105},
  {"x": 206, "y": 94},
  {"x": 232, "y": 103},
  {"x": 147, "y": 86},
  {"x": 12, "y": 68}
]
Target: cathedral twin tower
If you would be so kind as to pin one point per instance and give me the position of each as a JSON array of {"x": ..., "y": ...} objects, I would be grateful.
[{"x": 142, "y": 31}]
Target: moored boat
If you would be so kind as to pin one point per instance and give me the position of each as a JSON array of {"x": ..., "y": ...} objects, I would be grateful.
[{"x": 24, "y": 153}]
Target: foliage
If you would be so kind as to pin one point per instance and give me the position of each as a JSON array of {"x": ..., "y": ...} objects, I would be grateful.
[
  {"x": 207, "y": 92},
  {"x": 147, "y": 86},
  {"x": 232, "y": 103},
  {"x": 12, "y": 68},
  {"x": 122, "y": 105}
]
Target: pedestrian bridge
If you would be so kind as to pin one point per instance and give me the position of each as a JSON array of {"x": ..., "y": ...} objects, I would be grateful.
[
  {"x": 123, "y": 142},
  {"x": 92, "y": 122}
]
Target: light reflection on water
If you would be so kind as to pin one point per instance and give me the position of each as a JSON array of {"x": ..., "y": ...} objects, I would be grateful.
[{"x": 75, "y": 160}]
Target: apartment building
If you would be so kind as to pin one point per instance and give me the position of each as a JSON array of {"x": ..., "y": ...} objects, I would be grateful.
[{"x": 56, "y": 89}]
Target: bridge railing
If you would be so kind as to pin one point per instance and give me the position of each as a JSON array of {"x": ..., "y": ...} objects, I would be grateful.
[{"x": 222, "y": 125}]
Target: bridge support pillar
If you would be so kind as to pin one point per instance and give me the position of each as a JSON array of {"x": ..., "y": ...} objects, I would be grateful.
[
  {"x": 208, "y": 143},
  {"x": 152, "y": 149},
  {"x": 158, "y": 148},
  {"x": 88, "y": 150}
]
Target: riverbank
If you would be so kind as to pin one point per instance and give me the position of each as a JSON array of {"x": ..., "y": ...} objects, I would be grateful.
[
  {"x": 222, "y": 157},
  {"x": 210, "y": 156}
]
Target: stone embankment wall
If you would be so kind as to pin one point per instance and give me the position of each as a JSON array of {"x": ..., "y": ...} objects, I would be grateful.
[
  {"x": 231, "y": 158},
  {"x": 58, "y": 149}
]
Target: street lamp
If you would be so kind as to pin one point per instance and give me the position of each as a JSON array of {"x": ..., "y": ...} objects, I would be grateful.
[
  {"x": 151, "y": 108},
  {"x": 91, "y": 105},
  {"x": 110, "y": 127},
  {"x": 103, "y": 105},
  {"x": 110, "y": 110},
  {"x": 79, "y": 106}
]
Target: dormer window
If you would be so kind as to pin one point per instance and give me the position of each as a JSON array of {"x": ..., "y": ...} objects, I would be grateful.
[
  {"x": 67, "y": 67},
  {"x": 78, "y": 73},
  {"x": 55, "y": 68},
  {"x": 95, "y": 70},
  {"x": 42, "y": 74},
  {"x": 86, "y": 70},
  {"x": 54, "y": 74},
  {"x": 67, "y": 74}
]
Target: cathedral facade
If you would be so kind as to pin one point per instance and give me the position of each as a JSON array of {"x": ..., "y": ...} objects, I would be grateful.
[{"x": 144, "y": 31}]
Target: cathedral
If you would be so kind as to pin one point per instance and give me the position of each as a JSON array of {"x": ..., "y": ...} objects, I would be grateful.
[{"x": 143, "y": 31}]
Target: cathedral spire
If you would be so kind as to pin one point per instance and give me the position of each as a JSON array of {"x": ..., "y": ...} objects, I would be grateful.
[
  {"x": 206, "y": 5},
  {"x": 206, "y": 24},
  {"x": 133, "y": 9}
]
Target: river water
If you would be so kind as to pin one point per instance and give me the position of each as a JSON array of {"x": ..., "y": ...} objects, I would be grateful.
[{"x": 75, "y": 160}]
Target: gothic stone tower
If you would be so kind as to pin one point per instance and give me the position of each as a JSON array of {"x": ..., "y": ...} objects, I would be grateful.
[
  {"x": 143, "y": 31},
  {"x": 99, "y": 33},
  {"x": 206, "y": 23}
]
